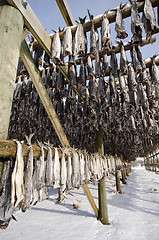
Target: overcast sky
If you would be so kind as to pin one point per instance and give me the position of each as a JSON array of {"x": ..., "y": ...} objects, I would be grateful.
[{"x": 51, "y": 18}]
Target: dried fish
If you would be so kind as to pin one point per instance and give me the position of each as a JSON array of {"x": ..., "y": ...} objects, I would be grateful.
[
  {"x": 80, "y": 39},
  {"x": 56, "y": 47},
  {"x": 5, "y": 194},
  {"x": 123, "y": 59},
  {"x": 17, "y": 177},
  {"x": 81, "y": 168},
  {"x": 119, "y": 25},
  {"x": 28, "y": 175},
  {"x": 82, "y": 74},
  {"x": 140, "y": 57},
  {"x": 105, "y": 63},
  {"x": 75, "y": 169},
  {"x": 38, "y": 56},
  {"x": 105, "y": 34},
  {"x": 136, "y": 25},
  {"x": 67, "y": 42},
  {"x": 93, "y": 35},
  {"x": 63, "y": 176},
  {"x": 49, "y": 166},
  {"x": 114, "y": 63},
  {"x": 69, "y": 172},
  {"x": 136, "y": 63},
  {"x": 149, "y": 18},
  {"x": 89, "y": 66},
  {"x": 131, "y": 78},
  {"x": 56, "y": 169}
]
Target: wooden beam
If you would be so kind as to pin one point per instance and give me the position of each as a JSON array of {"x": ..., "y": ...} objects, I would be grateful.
[
  {"x": 90, "y": 198},
  {"x": 8, "y": 149},
  {"x": 11, "y": 25},
  {"x": 66, "y": 13},
  {"x": 35, "y": 27},
  {"x": 43, "y": 94}
]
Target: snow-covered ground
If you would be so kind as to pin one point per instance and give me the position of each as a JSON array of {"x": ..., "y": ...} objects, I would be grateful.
[{"x": 133, "y": 215}]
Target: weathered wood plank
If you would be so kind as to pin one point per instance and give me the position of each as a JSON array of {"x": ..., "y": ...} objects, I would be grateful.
[
  {"x": 8, "y": 148},
  {"x": 43, "y": 94},
  {"x": 66, "y": 13},
  {"x": 11, "y": 30},
  {"x": 90, "y": 198}
]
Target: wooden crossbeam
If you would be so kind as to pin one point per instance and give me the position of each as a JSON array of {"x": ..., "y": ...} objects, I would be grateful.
[
  {"x": 66, "y": 13},
  {"x": 43, "y": 94}
]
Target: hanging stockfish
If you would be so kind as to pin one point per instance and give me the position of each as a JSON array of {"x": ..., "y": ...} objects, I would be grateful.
[
  {"x": 80, "y": 39},
  {"x": 17, "y": 194},
  {"x": 98, "y": 66},
  {"x": 35, "y": 192},
  {"x": 112, "y": 86},
  {"x": 69, "y": 172},
  {"x": 56, "y": 47},
  {"x": 105, "y": 63},
  {"x": 92, "y": 89},
  {"x": 122, "y": 84},
  {"x": 140, "y": 57},
  {"x": 89, "y": 66},
  {"x": 72, "y": 73},
  {"x": 136, "y": 25},
  {"x": 49, "y": 166},
  {"x": 114, "y": 63},
  {"x": 82, "y": 74},
  {"x": 67, "y": 42},
  {"x": 132, "y": 122},
  {"x": 123, "y": 59},
  {"x": 46, "y": 60},
  {"x": 21, "y": 67},
  {"x": 142, "y": 98},
  {"x": 155, "y": 77},
  {"x": 119, "y": 25},
  {"x": 28, "y": 176},
  {"x": 75, "y": 169},
  {"x": 17, "y": 91},
  {"x": 38, "y": 56},
  {"x": 135, "y": 61},
  {"x": 41, "y": 172},
  {"x": 82, "y": 163},
  {"x": 101, "y": 88},
  {"x": 148, "y": 90},
  {"x": 93, "y": 35},
  {"x": 105, "y": 34},
  {"x": 56, "y": 169},
  {"x": 63, "y": 177},
  {"x": 87, "y": 173},
  {"x": 149, "y": 19},
  {"x": 5, "y": 196}
]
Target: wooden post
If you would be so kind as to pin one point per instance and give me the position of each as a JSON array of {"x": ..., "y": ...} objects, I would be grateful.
[
  {"x": 102, "y": 197},
  {"x": 123, "y": 176},
  {"x": 11, "y": 30},
  {"x": 118, "y": 186}
]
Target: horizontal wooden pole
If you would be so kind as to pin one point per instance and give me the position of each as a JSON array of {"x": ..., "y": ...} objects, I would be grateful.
[
  {"x": 8, "y": 148},
  {"x": 42, "y": 92}
]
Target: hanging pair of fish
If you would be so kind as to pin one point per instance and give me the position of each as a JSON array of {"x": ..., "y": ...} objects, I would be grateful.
[
  {"x": 80, "y": 39},
  {"x": 106, "y": 43},
  {"x": 119, "y": 25},
  {"x": 149, "y": 19},
  {"x": 136, "y": 25}
]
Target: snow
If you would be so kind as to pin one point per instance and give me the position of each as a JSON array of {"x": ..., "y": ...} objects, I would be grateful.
[{"x": 134, "y": 214}]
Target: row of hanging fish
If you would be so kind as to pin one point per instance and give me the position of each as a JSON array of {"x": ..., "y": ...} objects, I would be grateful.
[
  {"x": 125, "y": 103},
  {"x": 70, "y": 47},
  {"x": 26, "y": 180}
]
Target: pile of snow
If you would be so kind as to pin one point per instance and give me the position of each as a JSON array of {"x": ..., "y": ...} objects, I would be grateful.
[{"x": 134, "y": 214}]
